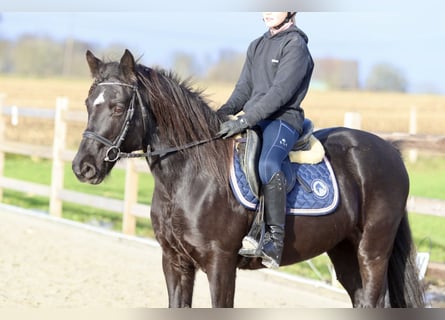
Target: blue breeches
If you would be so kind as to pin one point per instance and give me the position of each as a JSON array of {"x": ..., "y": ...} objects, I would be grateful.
[{"x": 278, "y": 139}]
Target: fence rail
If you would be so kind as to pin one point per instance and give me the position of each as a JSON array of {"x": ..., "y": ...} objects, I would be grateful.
[{"x": 129, "y": 207}]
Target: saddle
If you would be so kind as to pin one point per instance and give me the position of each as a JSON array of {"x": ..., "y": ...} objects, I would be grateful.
[{"x": 307, "y": 150}]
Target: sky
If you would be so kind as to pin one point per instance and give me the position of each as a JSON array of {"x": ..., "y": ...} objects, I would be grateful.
[{"x": 412, "y": 41}]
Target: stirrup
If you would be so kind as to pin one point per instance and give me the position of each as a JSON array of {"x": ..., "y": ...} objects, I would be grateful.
[
  {"x": 249, "y": 243},
  {"x": 252, "y": 243},
  {"x": 251, "y": 247}
]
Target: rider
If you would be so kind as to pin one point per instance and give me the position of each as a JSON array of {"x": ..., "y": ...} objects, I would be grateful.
[{"x": 273, "y": 82}]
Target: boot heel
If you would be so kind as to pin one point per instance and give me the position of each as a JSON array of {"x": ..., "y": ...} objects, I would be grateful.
[{"x": 269, "y": 263}]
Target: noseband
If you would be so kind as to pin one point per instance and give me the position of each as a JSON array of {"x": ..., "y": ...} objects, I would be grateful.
[{"x": 114, "y": 153}]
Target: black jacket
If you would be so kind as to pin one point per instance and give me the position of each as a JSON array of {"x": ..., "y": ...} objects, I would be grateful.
[{"x": 274, "y": 79}]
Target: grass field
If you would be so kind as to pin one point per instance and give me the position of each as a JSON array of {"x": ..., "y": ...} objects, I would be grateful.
[
  {"x": 428, "y": 176},
  {"x": 381, "y": 112}
]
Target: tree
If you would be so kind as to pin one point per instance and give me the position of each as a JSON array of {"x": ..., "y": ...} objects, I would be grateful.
[
  {"x": 385, "y": 77},
  {"x": 336, "y": 73},
  {"x": 6, "y": 64},
  {"x": 37, "y": 56},
  {"x": 185, "y": 65},
  {"x": 227, "y": 68}
]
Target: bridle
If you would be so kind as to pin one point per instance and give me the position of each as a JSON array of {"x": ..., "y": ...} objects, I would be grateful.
[{"x": 113, "y": 152}]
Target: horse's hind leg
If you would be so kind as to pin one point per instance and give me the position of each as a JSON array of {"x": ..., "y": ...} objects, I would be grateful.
[
  {"x": 344, "y": 258},
  {"x": 373, "y": 256}
]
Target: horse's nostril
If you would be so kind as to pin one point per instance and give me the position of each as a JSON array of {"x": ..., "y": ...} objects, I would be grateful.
[{"x": 88, "y": 170}]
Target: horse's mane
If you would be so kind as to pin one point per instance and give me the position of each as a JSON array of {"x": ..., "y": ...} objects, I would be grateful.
[{"x": 183, "y": 116}]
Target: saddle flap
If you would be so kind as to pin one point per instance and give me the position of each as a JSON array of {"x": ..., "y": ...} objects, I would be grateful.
[{"x": 250, "y": 158}]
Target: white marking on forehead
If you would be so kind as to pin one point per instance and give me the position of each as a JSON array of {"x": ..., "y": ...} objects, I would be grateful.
[{"x": 100, "y": 99}]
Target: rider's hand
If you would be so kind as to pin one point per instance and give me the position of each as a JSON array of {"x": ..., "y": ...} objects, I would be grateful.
[{"x": 232, "y": 127}]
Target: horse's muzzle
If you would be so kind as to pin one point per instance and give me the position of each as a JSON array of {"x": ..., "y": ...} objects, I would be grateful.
[{"x": 86, "y": 172}]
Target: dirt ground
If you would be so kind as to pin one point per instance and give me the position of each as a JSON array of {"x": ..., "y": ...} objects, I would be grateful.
[
  {"x": 54, "y": 263},
  {"x": 49, "y": 263}
]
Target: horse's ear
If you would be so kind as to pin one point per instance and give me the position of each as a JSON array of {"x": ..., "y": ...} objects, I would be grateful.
[
  {"x": 128, "y": 65},
  {"x": 94, "y": 63}
]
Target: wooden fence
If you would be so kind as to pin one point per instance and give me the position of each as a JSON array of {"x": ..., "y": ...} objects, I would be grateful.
[
  {"x": 56, "y": 192},
  {"x": 129, "y": 207}
]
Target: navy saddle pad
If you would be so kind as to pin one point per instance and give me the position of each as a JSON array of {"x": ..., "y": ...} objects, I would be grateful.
[{"x": 314, "y": 193}]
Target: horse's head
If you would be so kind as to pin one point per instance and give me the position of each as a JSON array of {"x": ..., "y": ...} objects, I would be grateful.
[{"x": 114, "y": 110}]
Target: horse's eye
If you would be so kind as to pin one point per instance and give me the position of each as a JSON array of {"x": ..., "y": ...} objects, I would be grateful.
[{"x": 118, "y": 110}]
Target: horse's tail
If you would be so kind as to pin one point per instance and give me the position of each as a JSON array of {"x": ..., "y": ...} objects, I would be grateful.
[{"x": 405, "y": 288}]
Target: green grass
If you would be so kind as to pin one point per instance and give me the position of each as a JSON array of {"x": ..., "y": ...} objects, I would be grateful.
[
  {"x": 39, "y": 171},
  {"x": 429, "y": 235},
  {"x": 427, "y": 180},
  {"x": 427, "y": 176},
  {"x": 321, "y": 265}
]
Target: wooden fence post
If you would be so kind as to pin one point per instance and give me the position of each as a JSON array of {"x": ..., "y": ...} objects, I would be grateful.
[
  {"x": 130, "y": 197},
  {"x": 352, "y": 120},
  {"x": 57, "y": 173},
  {"x": 2, "y": 139},
  {"x": 413, "y": 130}
]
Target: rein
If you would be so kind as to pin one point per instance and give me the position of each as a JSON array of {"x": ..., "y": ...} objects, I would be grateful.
[
  {"x": 114, "y": 153},
  {"x": 164, "y": 152}
]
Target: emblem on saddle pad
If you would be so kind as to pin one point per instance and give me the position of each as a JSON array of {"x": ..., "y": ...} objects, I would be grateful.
[
  {"x": 312, "y": 187},
  {"x": 320, "y": 188}
]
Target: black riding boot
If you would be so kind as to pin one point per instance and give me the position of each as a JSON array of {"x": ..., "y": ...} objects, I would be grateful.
[{"x": 275, "y": 215}]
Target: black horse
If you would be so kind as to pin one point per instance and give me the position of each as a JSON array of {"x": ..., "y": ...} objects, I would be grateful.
[{"x": 199, "y": 223}]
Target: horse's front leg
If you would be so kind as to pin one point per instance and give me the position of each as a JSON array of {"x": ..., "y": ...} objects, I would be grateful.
[
  {"x": 180, "y": 278},
  {"x": 221, "y": 273}
]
